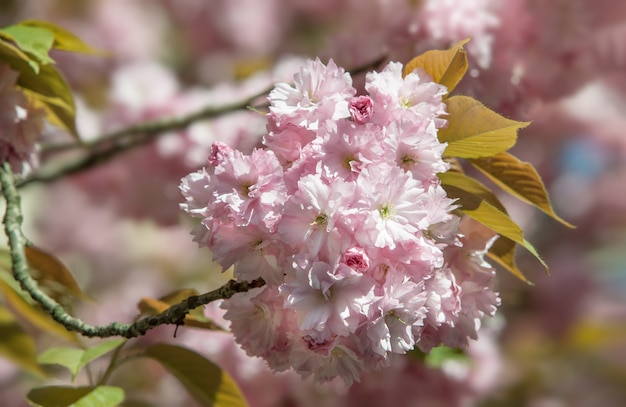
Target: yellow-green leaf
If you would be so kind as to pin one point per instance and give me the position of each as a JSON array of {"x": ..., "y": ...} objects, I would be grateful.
[
  {"x": 486, "y": 214},
  {"x": 490, "y": 216},
  {"x": 42, "y": 101},
  {"x": 519, "y": 179},
  {"x": 503, "y": 252},
  {"x": 446, "y": 67},
  {"x": 16, "y": 345},
  {"x": 9, "y": 51},
  {"x": 475, "y": 131},
  {"x": 469, "y": 184},
  {"x": 204, "y": 380},
  {"x": 51, "y": 274},
  {"x": 36, "y": 41},
  {"x": 195, "y": 318},
  {"x": 56, "y": 110},
  {"x": 76, "y": 359},
  {"x": 63, "y": 39},
  {"x": 33, "y": 314},
  {"x": 45, "y": 86},
  {"x": 65, "y": 396}
]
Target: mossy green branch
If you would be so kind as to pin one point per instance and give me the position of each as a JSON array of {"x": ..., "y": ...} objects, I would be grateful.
[{"x": 174, "y": 315}]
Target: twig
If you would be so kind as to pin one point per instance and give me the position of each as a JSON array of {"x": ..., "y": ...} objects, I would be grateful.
[
  {"x": 173, "y": 315},
  {"x": 106, "y": 147}
]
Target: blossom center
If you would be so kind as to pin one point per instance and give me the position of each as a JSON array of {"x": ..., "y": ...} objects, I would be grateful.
[
  {"x": 255, "y": 244},
  {"x": 320, "y": 220},
  {"x": 408, "y": 160},
  {"x": 245, "y": 189},
  {"x": 386, "y": 211}
]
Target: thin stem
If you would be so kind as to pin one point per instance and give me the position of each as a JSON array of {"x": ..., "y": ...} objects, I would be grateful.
[
  {"x": 174, "y": 315},
  {"x": 112, "y": 365}
]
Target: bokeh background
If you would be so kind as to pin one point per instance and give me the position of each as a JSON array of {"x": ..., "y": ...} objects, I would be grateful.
[{"x": 559, "y": 63}]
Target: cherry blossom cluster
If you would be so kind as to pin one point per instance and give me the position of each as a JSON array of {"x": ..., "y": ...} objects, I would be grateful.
[
  {"x": 20, "y": 124},
  {"x": 343, "y": 215}
]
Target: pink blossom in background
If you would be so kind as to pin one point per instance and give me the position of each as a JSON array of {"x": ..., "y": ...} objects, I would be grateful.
[
  {"x": 558, "y": 63},
  {"x": 148, "y": 91},
  {"x": 20, "y": 124}
]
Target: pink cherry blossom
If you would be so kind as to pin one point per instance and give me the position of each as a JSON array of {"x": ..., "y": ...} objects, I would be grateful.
[
  {"x": 344, "y": 217},
  {"x": 326, "y": 303},
  {"x": 313, "y": 219},
  {"x": 319, "y": 93}
]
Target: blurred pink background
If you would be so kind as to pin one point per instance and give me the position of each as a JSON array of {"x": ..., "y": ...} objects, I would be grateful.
[{"x": 559, "y": 63}]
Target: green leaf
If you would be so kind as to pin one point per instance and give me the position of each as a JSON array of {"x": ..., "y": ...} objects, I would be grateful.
[
  {"x": 441, "y": 354},
  {"x": 16, "y": 344},
  {"x": 446, "y": 67},
  {"x": 204, "y": 380},
  {"x": 76, "y": 359},
  {"x": 475, "y": 131},
  {"x": 490, "y": 216},
  {"x": 519, "y": 179},
  {"x": 15, "y": 298},
  {"x": 51, "y": 274},
  {"x": 36, "y": 41},
  {"x": 63, "y": 39},
  {"x": 65, "y": 396}
]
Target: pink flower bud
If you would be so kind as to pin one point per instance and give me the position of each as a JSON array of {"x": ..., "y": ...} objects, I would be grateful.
[
  {"x": 361, "y": 109},
  {"x": 356, "y": 259},
  {"x": 218, "y": 153}
]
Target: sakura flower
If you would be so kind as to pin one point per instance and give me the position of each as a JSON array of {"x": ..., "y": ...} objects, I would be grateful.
[
  {"x": 417, "y": 148},
  {"x": 319, "y": 92},
  {"x": 256, "y": 317},
  {"x": 347, "y": 148},
  {"x": 340, "y": 360},
  {"x": 394, "y": 206},
  {"x": 396, "y": 97},
  {"x": 401, "y": 307},
  {"x": 327, "y": 305},
  {"x": 343, "y": 216},
  {"x": 313, "y": 220},
  {"x": 251, "y": 250},
  {"x": 250, "y": 189},
  {"x": 287, "y": 140}
]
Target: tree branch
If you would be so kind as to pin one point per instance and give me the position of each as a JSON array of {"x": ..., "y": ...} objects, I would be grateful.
[
  {"x": 173, "y": 315},
  {"x": 108, "y": 146}
]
